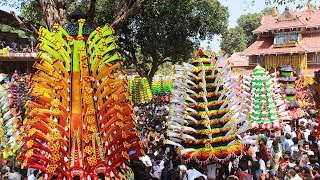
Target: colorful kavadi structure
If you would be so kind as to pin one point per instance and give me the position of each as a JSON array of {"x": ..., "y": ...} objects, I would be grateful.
[
  {"x": 204, "y": 118},
  {"x": 80, "y": 123}
]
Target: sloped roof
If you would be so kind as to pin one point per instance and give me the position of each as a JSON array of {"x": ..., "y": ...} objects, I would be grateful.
[
  {"x": 307, "y": 18},
  {"x": 237, "y": 60},
  {"x": 309, "y": 43}
]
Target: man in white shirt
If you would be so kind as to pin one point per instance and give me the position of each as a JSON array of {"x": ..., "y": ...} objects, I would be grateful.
[
  {"x": 193, "y": 174},
  {"x": 33, "y": 175},
  {"x": 287, "y": 143},
  {"x": 157, "y": 167},
  {"x": 15, "y": 175},
  {"x": 262, "y": 164},
  {"x": 146, "y": 160}
]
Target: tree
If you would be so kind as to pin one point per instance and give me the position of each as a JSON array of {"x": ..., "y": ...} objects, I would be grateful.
[
  {"x": 56, "y": 11},
  {"x": 251, "y": 21},
  {"x": 166, "y": 31},
  {"x": 163, "y": 30},
  {"x": 299, "y": 4},
  {"x": 234, "y": 40}
]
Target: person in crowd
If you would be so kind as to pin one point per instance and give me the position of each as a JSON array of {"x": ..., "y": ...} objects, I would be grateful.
[
  {"x": 193, "y": 173},
  {"x": 295, "y": 149},
  {"x": 33, "y": 175},
  {"x": 287, "y": 143},
  {"x": 157, "y": 167},
  {"x": 292, "y": 175},
  {"x": 183, "y": 172},
  {"x": 146, "y": 160},
  {"x": 276, "y": 158},
  {"x": 165, "y": 171},
  {"x": 15, "y": 175},
  {"x": 243, "y": 173},
  {"x": 306, "y": 149},
  {"x": 262, "y": 165}
]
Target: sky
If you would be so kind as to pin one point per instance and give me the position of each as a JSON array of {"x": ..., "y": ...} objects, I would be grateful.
[{"x": 236, "y": 8}]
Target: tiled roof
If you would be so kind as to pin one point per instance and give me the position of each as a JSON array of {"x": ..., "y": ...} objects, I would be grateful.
[
  {"x": 307, "y": 18},
  {"x": 237, "y": 60},
  {"x": 309, "y": 43}
]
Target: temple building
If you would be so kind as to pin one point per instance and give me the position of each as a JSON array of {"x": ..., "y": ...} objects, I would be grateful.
[{"x": 288, "y": 38}]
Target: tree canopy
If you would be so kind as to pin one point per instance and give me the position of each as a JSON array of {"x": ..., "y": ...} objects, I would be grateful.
[
  {"x": 166, "y": 31},
  {"x": 150, "y": 32},
  {"x": 234, "y": 40}
]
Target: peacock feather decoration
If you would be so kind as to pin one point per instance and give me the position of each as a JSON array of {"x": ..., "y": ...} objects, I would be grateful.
[
  {"x": 81, "y": 123},
  {"x": 204, "y": 105}
]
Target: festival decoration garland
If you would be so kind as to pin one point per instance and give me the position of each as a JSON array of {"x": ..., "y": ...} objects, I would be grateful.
[
  {"x": 287, "y": 79},
  {"x": 161, "y": 85},
  {"x": 140, "y": 92},
  {"x": 10, "y": 124},
  {"x": 80, "y": 122},
  {"x": 267, "y": 108},
  {"x": 204, "y": 119}
]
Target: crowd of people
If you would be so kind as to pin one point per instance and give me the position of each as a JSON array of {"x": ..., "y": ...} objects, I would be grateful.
[
  {"x": 291, "y": 153},
  {"x": 17, "y": 46}
]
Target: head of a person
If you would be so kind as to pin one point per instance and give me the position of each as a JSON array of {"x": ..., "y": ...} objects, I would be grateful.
[
  {"x": 158, "y": 159},
  {"x": 286, "y": 155},
  {"x": 291, "y": 173},
  {"x": 306, "y": 146},
  {"x": 262, "y": 141},
  {"x": 243, "y": 165},
  {"x": 311, "y": 138},
  {"x": 276, "y": 149},
  {"x": 295, "y": 140},
  {"x": 313, "y": 159},
  {"x": 182, "y": 169},
  {"x": 14, "y": 169},
  {"x": 288, "y": 136},
  {"x": 258, "y": 155}
]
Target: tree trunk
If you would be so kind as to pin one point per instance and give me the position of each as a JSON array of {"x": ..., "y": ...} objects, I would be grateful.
[
  {"x": 54, "y": 12},
  {"x": 91, "y": 9}
]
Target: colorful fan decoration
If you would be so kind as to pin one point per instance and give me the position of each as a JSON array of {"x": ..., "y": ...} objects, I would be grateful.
[
  {"x": 204, "y": 112},
  {"x": 10, "y": 124},
  {"x": 287, "y": 79},
  {"x": 81, "y": 123},
  {"x": 267, "y": 108},
  {"x": 140, "y": 92},
  {"x": 161, "y": 86}
]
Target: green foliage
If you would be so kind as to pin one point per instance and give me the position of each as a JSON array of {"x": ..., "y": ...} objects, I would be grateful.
[
  {"x": 167, "y": 30},
  {"x": 105, "y": 10},
  {"x": 250, "y": 22},
  {"x": 159, "y": 31},
  {"x": 31, "y": 11},
  {"x": 234, "y": 40},
  {"x": 165, "y": 69},
  {"x": 6, "y": 28}
]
